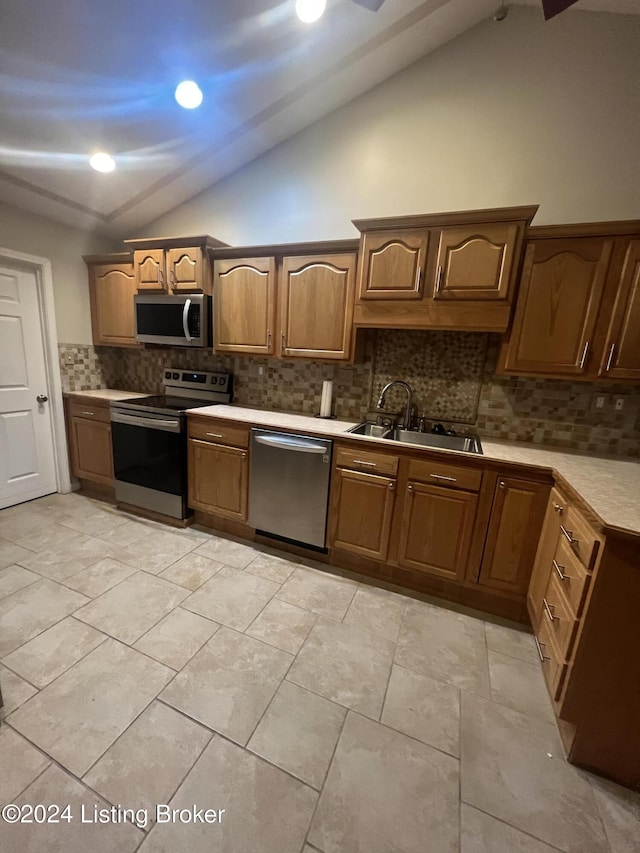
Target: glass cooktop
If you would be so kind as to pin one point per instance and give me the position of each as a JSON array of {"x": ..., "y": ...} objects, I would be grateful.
[{"x": 172, "y": 404}]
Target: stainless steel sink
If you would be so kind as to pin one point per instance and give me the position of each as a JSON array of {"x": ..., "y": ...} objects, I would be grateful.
[
  {"x": 466, "y": 443},
  {"x": 373, "y": 430}
]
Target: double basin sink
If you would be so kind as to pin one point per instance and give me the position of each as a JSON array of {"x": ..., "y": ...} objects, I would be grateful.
[{"x": 466, "y": 443}]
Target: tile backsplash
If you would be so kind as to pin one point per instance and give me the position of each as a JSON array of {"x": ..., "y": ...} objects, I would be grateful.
[{"x": 452, "y": 375}]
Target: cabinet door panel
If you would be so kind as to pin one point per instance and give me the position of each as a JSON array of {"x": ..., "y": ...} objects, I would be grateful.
[
  {"x": 149, "y": 269},
  {"x": 186, "y": 270},
  {"x": 436, "y": 530},
  {"x": 622, "y": 352},
  {"x": 392, "y": 265},
  {"x": 218, "y": 479},
  {"x": 91, "y": 453},
  {"x": 112, "y": 288},
  {"x": 475, "y": 263},
  {"x": 514, "y": 531},
  {"x": 361, "y": 511},
  {"x": 244, "y": 305},
  {"x": 561, "y": 291},
  {"x": 317, "y": 306}
]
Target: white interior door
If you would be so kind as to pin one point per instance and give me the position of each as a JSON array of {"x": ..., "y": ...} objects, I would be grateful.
[{"x": 27, "y": 456}]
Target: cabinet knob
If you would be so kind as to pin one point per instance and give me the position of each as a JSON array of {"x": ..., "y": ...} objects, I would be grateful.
[
  {"x": 392, "y": 486},
  {"x": 409, "y": 488},
  {"x": 559, "y": 509},
  {"x": 502, "y": 484},
  {"x": 42, "y": 398}
]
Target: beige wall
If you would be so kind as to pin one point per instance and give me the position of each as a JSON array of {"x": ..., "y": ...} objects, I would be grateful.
[
  {"x": 22, "y": 231},
  {"x": 518, "y": 112}
]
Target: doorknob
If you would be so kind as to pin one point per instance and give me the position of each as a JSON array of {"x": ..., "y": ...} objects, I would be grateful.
[{"x": 42, "y": 398}]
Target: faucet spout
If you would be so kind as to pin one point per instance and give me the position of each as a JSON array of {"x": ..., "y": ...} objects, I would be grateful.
[{"x": 409, "y": 408}]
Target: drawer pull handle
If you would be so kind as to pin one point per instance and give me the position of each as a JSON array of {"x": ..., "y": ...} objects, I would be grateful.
[
  {"x": 539, "y": 647},
  {"x": 568, "y": 534},
  {"x": 442, "y": 477},
  {"x": 215, "y": 435},
  {"x": 548, "y": 610},
  {"x": 89, "y": 413},
  {"x": 364, "y": 462},
  {"x": 559, "y": 569},
  {"x": 559, "y": 509}
]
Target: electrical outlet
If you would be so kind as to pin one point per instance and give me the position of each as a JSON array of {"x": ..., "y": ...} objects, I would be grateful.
[
  {"x": 599, "y": 401},
  {"x": 618, "y": 404},
  {"x": 68, "y": 359},
  {"x": 260, "y": 370}
]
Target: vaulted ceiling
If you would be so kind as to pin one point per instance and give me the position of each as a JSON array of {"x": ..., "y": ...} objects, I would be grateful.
[{"x": 76, "y": 77}]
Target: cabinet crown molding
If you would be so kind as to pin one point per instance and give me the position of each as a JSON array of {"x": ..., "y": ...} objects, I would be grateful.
[{"x": 460, "y": 217}]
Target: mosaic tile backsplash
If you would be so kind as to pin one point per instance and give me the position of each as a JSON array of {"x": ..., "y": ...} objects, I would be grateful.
[{"x": 452, "y": 375}]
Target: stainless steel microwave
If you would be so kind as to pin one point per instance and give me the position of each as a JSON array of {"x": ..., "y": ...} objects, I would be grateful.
[{"x": 183, "y": 321}]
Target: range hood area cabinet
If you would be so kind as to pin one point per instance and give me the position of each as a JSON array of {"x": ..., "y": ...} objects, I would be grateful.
[
  {"x": 111, "y": 290},
  {"x": 297, "y": 304},
  {"x": 175, "y": 265},
  {"x": 578, "y": 311},
  {"x": 444, "y": 271}
]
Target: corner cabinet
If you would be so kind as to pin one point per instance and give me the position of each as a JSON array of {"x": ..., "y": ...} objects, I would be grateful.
[
  {"x": 440, "y": 271},
  {"x": 578, "y": 310},
  {"x": 111, "y": 291}
]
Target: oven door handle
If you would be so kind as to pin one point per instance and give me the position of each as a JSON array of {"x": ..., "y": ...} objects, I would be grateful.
[
  {"x": 164, "y": 424},
  {"x": 185, "y": 319}
]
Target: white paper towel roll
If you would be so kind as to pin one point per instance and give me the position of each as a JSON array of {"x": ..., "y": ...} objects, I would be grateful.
[{"x": 326, "y": 399}]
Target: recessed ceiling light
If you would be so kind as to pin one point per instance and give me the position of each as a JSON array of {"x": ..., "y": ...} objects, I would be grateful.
[
  {"x": 188, "y": 95},
  {"x": 310, "y": 10},
  {"x": 102, "y": 162}
]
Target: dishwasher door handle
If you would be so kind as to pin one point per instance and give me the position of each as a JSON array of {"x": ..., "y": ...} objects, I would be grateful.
[{"x": 296, "y": 444}]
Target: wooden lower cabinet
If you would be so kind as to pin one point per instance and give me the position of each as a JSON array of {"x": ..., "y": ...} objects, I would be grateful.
[
  {"x": 361, "y": 513},
  {"x": 514, "y": 530},
  {"x": 436, "y": 529},
  {"x": 218, "y": 479},
  {"x": 91, "y": 453},
  {"x": 545, "y": 554}
]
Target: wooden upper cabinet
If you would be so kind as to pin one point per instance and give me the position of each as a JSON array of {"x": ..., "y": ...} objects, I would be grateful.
[
  {"x": 186, "y": 270},
  {"x": 475, "y": 262},
  {"x": 149, "y": 267},
  {"x": 561, "y": 291},
  {"x": 316, "y": 306},
  {"x": 111, "y": 291},
  {"x": 514, "y": 530},
  {"x": 621, "y": 357},
  {"x": 435, "y": 535},
  {"x": 244, "y": 305},
  {"x": 392, "y": 264}
]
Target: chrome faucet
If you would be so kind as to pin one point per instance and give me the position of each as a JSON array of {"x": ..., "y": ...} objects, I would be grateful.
[{"x": 408, "y": 412}]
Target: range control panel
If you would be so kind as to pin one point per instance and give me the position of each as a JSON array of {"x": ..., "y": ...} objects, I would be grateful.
[{"x": 197, "y": 380}]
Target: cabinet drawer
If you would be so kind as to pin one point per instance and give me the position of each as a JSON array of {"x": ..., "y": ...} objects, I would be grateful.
[
  {"x": 364, "y": 460},
  {"x": 579, "y": 535},
  {"x": 572, "y": 577},
  {"x": 90, "y": 411},
  {"x": 212, "y": 430},
  {"x": 443, "y": 474},
  {"x": 558, "y": 616},
  {"x": 553, "y": 666}
]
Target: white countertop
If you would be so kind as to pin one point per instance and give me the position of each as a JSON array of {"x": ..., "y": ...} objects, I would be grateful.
[
  {"x": 610, "y": 486},
  {"x": 110, "y": 394}
]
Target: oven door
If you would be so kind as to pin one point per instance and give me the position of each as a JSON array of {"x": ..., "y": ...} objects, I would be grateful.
[
  {"x": 150, "y": 461},
  {"x": 174, "y": 320}
]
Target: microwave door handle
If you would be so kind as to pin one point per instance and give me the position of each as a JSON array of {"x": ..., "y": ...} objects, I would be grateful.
[{"x": 185, "y": 319}]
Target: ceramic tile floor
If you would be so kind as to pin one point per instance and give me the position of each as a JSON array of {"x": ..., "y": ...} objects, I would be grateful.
[{"x": 142, "y": 665}]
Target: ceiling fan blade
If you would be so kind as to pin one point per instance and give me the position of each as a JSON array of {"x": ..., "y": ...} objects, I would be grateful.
[
  {"x": 554, "y": 7},
  {"x": 373, "y": 5}
]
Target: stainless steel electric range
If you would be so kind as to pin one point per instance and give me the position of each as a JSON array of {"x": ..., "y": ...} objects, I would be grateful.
[{"x": 149, "y": 440}]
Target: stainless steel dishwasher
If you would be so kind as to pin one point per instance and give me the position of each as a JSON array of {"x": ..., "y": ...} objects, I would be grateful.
[{"x": 289, "y": 485}]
